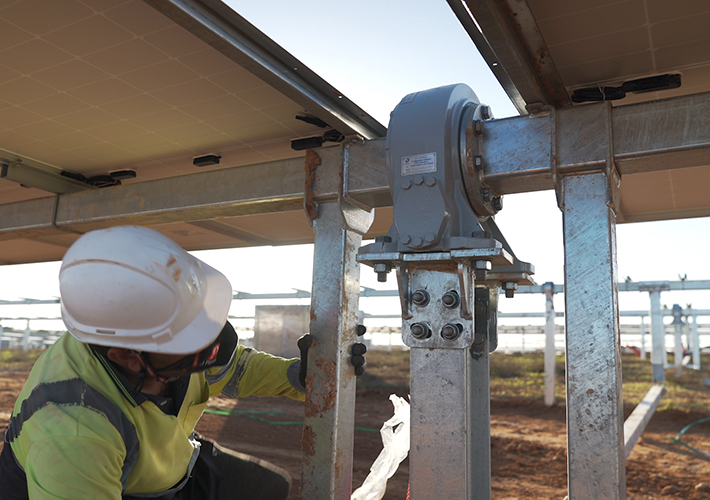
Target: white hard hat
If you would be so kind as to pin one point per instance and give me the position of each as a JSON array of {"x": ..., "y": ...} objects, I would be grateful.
[{"x": 135, "y": 288}]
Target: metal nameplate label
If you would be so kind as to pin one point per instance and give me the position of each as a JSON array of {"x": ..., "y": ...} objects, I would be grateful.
[{"x": 419, "y": 164}]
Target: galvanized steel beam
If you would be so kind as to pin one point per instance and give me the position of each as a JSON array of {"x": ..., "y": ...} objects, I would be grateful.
[
  {"x": 650, "y": 136},
  {"x": 595, "y": 433},
  {"x": 639, "y": 418},
  {"x": 254, "y": 189}
]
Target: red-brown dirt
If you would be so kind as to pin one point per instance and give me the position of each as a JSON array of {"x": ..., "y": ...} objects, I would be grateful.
[{"x": 528, "y": 444}]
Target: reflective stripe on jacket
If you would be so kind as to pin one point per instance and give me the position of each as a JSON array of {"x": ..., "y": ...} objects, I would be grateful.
[{"x": 78, "y": 429}]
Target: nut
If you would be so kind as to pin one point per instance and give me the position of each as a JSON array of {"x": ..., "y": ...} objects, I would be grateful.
[
  {"x": 420, "y": 298},
  {"x": 451, "y": 299},
  {"x": 420, "y": 331},
  {"x": 451, "y": 331}
]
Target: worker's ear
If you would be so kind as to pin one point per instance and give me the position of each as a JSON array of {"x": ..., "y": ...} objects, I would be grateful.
[{"x": 127, "y": 358}]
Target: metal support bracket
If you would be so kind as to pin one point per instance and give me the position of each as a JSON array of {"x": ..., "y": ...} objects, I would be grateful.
[{"x": 357, "y": 216}]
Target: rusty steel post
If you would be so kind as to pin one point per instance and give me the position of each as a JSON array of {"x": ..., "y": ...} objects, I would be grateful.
[{"x": 328, "y": 426}]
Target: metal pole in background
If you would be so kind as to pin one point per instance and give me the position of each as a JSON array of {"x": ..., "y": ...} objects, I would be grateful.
[
  {"x": 643, "y": 339},
  {"x": 658, "y": 340},
  {"x": 595, "y": 420},
  {"x": 696, "y": 341},
  {"x": 678, "y": 330},
  {"x": 549, "y": 345},
  {"x": 328, "y": 426},
  {"x": 26, "y": 337}
]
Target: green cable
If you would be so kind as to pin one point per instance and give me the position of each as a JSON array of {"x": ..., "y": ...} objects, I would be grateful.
[
  {"x": 252, "y": 414},
  {"x": 684, "y": 430}
]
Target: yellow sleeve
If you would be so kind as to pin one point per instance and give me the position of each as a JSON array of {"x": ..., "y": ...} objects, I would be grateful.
[{"x": 252, "y": 372}]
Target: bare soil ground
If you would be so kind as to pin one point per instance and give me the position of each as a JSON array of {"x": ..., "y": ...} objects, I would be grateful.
[{"x": 528, "y": 438}]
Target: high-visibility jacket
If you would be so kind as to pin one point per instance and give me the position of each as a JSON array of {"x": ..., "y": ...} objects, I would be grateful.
[{"x": 79, "y": 429}]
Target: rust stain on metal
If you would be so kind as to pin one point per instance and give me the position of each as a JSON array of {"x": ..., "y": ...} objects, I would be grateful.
[
  {"x": 312, "y": 161},
  {"x": 319, "y": 403},
  {"x": 307, "y": 440}
]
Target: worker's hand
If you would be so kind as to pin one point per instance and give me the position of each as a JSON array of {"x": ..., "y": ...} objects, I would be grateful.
[
  {"x": 304, "y": 343},
  {"x": 357, "y": 354}
]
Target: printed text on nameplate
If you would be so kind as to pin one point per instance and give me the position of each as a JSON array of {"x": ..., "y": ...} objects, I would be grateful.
[{"x": 419, "y": 164}]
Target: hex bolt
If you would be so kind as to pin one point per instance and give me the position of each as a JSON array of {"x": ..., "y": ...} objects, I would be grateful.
[
  {"x": 482, "y": 264},
  {"x": 417, "y": 241},
  {"x": 486, "y": 112},
  {"x": 382, "y": 269},
  {"x": 431, "y": 181},
  {"x": 498, "y": 203},
  {"x": 420, "y": 298},
  {"x": 481, "y": 268},
  {"x": 510, "y": 287},
  {"x": 418, "y": 180},
  {"x": 478, "y": 162},
  {"x": 430, "y": 238},
  {"x": 478, "y": 127},
  {"x": 451, "y": 299},
  {"x": 406, "y": 239},
  {"x": 486, "y": 194},
  {"x": 451, "y": 331},
  {"x": 406, "y": 184},
  {"x": 420, "y": 331}
]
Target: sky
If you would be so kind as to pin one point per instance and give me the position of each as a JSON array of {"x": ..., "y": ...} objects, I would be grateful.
[{"x": 375, "y": 52}]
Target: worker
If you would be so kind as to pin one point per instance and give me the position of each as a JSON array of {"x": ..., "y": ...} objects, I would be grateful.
[{"x": 109, "y": 411}]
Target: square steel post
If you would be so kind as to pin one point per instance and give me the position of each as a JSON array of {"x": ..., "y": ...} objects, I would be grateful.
[
  {"x": 696, "y": 342},
  {"x": 442, "y": 387},
  {"x": 549, "y": 344},
  {"x": 595, "y": 420},
  {"x": 658, "y": 338},
  {"x": 328, "y": 428}
]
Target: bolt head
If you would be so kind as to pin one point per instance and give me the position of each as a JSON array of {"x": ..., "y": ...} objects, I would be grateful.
[
  {"x": 430, "y": 181},
  {"x": 486, "y": 194},
  {"x": 406, "y": 239},
  {"x": 420, "y": 331},
  {"x": 406, "y": 184},
  {"x": 418, "y": 180},
  {"x": 382, "y": 267},
  {"x": 450, "y": 331},
  {"x": 451, "y": 299},
  {"x": 430, "y": 238},
  {"x": 482, "y": 264},
  {"x": 486, "y": 112},
  {"x": 420, "y": 298},
  {"x": 417, "y": 241},
  {"x": 497, "y": 203}
]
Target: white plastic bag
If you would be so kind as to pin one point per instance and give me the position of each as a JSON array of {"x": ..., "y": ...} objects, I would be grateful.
[{"x": 395, "y": 441}]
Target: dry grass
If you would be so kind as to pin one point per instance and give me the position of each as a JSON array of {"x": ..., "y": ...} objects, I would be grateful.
[{"x": 523, "y": 376}]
